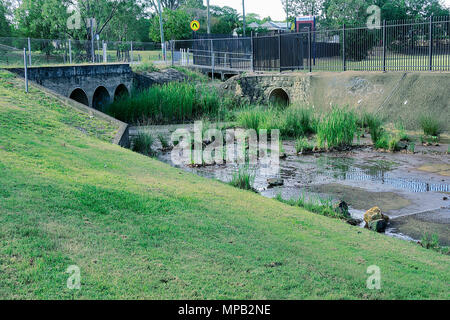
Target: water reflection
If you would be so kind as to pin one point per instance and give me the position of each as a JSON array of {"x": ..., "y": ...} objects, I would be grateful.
[{"x": 383, "y": 177}]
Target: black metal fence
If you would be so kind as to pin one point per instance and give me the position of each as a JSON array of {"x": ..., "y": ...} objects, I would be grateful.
[{"x": 405, "y": 45}]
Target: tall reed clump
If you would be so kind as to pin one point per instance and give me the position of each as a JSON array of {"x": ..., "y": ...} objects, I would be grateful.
[
  {"x": 298, "y": 122},
  {"x": 337, "y": 129},
  {"x": 430, "y": 125},
  {"x": 171, "y": 103},
  {"x": 143, "y": 143},
  {"x": 375, "y": 125},
  {"x": 243, "y": 178},
  {"x": 292, "y": 122}
]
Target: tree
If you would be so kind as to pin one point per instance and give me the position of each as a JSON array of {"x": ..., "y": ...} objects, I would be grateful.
[
  {"x": 302, "y": 7},
  {"x": 5, "y": 27},
  {"x": 167, "y": 4},
  {"x": 224, "y": 20},
  {"x": 176, "y": 25}
]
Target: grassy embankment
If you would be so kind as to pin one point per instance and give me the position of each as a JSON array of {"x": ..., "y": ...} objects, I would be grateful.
[{"x": 138, "y": 228}]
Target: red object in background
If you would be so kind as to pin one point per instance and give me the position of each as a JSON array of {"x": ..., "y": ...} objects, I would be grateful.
[{"x": 305, "y": 23}]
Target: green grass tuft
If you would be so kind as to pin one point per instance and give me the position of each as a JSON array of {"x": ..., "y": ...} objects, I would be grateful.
[
  {"x": 337, "y": 129},
  {"x": 243, "y": 178},
  {"x": 143, "y": 143}
]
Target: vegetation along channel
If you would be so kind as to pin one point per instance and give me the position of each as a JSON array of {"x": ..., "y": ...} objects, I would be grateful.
[{"x": 363, "y": 167}]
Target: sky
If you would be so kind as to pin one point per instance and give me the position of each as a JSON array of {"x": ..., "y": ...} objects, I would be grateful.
[{"x": 263, "y": 8}]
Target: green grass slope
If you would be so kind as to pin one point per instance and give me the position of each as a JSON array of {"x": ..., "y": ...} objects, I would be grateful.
[{"x": 138, "y": 228}]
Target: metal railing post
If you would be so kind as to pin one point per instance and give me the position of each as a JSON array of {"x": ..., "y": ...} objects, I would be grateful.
[
  {"x": 211, "y": 51},
  {"x": 188, "y": 56},
  {"x": 430, "y": 46},
  {"x": 344, "y": 62},
  {"x": 105, "y": 57},
  {"x": 252, "y": 67},
  {"x": 309, "y": 50},
  {"x": 26, "y": 68},
  {"x": 384, "y": 45},
  {"x": 172, "y": 51},
  {"x": 132, "y": 58},
  {"x": 70, "y": 51},
  {"x": 29, "y": 51},
  {"x": 279, "y": 50}
]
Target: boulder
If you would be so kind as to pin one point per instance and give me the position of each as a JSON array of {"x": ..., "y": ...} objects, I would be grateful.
[
  {"x": 275, "y": 182},
  {"x": 376, "y": 220},
  {"x": 354, "y": 222},
  {"x": 378, "y": 225}
]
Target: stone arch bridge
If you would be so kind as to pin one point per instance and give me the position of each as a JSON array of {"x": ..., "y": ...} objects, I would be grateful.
[{"x": 92, "y": 85}]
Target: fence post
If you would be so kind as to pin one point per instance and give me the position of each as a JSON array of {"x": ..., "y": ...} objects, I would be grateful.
[
  {"x": 279, "y": 49},
  {"x": 172, "y": 51},
  {"x": 132, "y": 58},
  {"x": 212, "y": 59},
  {"x": 70, "y": 51},
  {"x": 188, "y": 56},
  {"x": 344, "y": 62},
  {"x": 430, "y": 46},
  {"x": 384, "y": 45},
  {"x": 105, "y": 57},
  {"x": 29, "y": 50},
  {"x": 309, "y": 50},
  {"x": 252, "y": 67},
  {"x": 26, "y": 68}
]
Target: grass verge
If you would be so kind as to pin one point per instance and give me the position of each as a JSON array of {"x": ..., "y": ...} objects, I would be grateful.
[{"x": 138, "y": 228}]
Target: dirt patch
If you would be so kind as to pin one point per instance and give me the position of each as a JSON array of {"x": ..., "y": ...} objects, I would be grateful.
[
  {"x": 361, "y": 199},
  {"x": 442, "y": 169},
  {"x": 434, "y": 222}
]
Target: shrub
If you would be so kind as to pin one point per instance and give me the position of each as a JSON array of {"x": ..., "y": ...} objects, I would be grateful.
[
  {"x": 243, "y": 178},
  {"x": 337, "y": 129},
  {"x": 302, "y": 145},
  {"x": 430, "y": 126},
  {"x": 143, "y": 143},
  {"x": 145, "y": 67}
]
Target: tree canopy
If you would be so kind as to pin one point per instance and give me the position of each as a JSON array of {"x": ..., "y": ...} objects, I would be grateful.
[{"x": 138, "y": 20}]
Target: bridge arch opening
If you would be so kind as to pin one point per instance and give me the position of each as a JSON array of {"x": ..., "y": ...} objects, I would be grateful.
[
  {"x": 121, "y": 91},
  {"x": 80, "y": 96},
  {"x": 279, "y": 97},
  {"x": 101, "y": 99}
]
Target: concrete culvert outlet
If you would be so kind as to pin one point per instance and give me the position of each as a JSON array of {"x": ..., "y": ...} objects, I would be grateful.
[
  {"x": 279, "y": 97},
  {"x": 101, "y": 99},
  {"x": 80, "y": 96},
  {"x": 121, "y": 91}
]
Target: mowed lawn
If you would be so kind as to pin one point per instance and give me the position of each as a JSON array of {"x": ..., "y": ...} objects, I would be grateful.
[{"x": 139, "y": 229}]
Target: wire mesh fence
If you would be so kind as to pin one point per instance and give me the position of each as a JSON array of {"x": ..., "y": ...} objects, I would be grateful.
[{"x": 42, "y": 52}]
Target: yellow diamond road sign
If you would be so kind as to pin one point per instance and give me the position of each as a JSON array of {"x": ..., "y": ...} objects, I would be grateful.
[{"x": 195, "y": 25}]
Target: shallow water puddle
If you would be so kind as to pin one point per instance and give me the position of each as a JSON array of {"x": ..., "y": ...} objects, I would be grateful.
[{"x": 363, "y": 179}]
